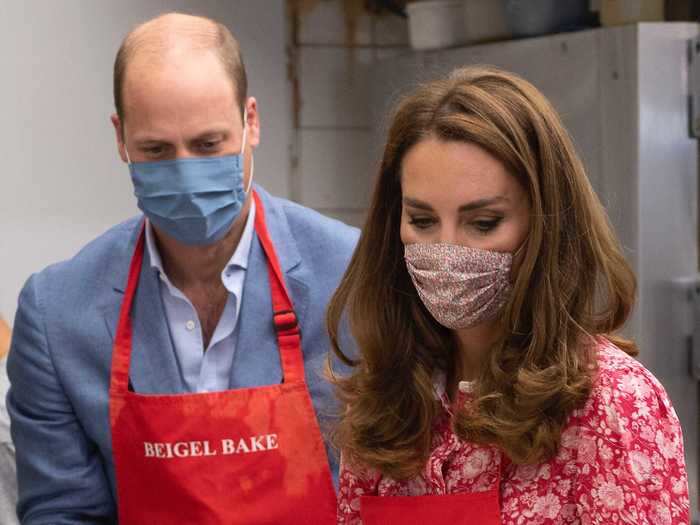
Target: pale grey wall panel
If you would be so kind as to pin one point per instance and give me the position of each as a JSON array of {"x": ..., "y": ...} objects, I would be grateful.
[
  {"x": 335, "y": 87},
  {"x": 336, "y": 170}
]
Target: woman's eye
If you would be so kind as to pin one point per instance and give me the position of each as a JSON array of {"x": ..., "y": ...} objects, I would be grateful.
[
  {"x": 421, "y": 223},
  {"x": 485, "y": 226}
]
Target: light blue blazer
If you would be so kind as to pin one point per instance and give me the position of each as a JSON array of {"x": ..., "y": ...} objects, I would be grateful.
[{"x": 59, "y": 364}]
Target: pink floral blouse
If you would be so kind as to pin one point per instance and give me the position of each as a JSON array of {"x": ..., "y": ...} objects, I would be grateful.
[{"x": 620, "y": 461}]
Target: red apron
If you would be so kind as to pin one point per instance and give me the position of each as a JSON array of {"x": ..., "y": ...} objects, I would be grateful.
[
  {"x": 249, "y": 456},
  {"x": 473, "y": 508},
  {"x": 477, "y": 508}
]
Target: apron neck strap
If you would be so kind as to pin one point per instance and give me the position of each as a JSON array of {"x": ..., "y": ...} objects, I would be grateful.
[
  {"x": 121, "y": 352},
  {"x": 284, "y": 317}
]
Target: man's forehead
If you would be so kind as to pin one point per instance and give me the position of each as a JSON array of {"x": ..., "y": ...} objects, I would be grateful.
[
  {"x": 177, "y": 84},
  {"x": 154, "y": 121},
  {"x": 154, "y": 62}
]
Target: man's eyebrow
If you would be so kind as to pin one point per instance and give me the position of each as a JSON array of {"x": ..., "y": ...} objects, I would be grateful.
[
  {"x": 146, "y": 139},
  {"x": 210, "y": 133},
  {"x": 155, "y": 139}
]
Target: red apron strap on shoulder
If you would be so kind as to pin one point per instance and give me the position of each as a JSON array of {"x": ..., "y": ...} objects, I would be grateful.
[
  {"x": 284, "y": 317},
  {"x": 122, "y": 341}
]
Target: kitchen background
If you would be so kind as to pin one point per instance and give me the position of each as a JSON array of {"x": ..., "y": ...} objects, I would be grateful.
[{"x": 622, "y": 73}]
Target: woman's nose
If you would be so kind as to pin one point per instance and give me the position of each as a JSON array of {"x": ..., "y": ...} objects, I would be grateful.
[{"x": 448, "y": 235}]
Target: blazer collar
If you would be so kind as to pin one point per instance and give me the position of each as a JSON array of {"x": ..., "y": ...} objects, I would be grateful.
[
  {"x": 280, "y": 233},
  {"x": 118, "y": 270}
]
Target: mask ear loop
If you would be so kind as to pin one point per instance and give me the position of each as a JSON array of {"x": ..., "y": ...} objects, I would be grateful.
[
  {"x": 252, "y": 157},
  {"x": 252, "y": 171},
  {"x": 126, "y": 150}
]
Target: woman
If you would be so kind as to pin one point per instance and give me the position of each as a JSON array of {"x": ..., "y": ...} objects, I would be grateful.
[{"x": 485, "y": 297}]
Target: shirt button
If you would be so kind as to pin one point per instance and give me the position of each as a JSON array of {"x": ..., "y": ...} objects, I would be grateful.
[{"x": 190, "y": 325}]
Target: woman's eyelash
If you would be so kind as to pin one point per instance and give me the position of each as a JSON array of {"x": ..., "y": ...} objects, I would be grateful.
[
  {"x": 483, "y": 225},
  {"x": 487, "y": 225},
  {"x": 421, "y": 222}
]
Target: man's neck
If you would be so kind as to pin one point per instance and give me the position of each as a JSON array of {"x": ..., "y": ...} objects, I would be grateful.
[{"x": 200, "y": 266}]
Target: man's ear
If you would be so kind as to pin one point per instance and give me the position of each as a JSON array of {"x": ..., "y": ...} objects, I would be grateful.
[
  {"x": 119, "y": 132},
  {"x": 253, "y": 122}
]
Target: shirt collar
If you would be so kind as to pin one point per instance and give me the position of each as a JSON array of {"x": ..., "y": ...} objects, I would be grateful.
[
  {"x": 242, "y": 253},
  {"x": 240, "y": 256},
  {"x": 465, "y": 388}
]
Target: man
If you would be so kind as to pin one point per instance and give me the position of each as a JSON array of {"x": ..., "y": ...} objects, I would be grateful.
[{"x": 159, "y": 374}]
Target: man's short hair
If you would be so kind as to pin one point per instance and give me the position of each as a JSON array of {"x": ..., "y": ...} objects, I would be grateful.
[{"x": 210, "y": 35}]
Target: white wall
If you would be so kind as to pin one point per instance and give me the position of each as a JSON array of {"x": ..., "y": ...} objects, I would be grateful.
[
  {"x": 61, "y": 181},
  {"x": 336, "y": 158}
]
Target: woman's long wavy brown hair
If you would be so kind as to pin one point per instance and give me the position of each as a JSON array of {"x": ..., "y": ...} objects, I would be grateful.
[{"x": 572, "y": 285}]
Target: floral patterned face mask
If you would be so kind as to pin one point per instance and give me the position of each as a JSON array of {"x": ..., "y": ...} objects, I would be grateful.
[{"x": 460, "y": 286}]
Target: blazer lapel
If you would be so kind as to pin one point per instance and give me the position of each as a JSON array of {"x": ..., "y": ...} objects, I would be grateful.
[
  {"x": 256, "y": 360},
  {"x": 154, "y": 368}
]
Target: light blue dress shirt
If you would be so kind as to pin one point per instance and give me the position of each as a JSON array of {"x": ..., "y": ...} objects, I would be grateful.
[{"x": 205, "y": 369}]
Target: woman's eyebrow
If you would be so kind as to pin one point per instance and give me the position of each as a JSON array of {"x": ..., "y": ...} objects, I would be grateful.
[
  {"x": 479, "y": 203},
  {"x": 415, "y": 203}
]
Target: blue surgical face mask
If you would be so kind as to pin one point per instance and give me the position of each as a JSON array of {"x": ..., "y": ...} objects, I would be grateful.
[{"x": 194, "y": 200}]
